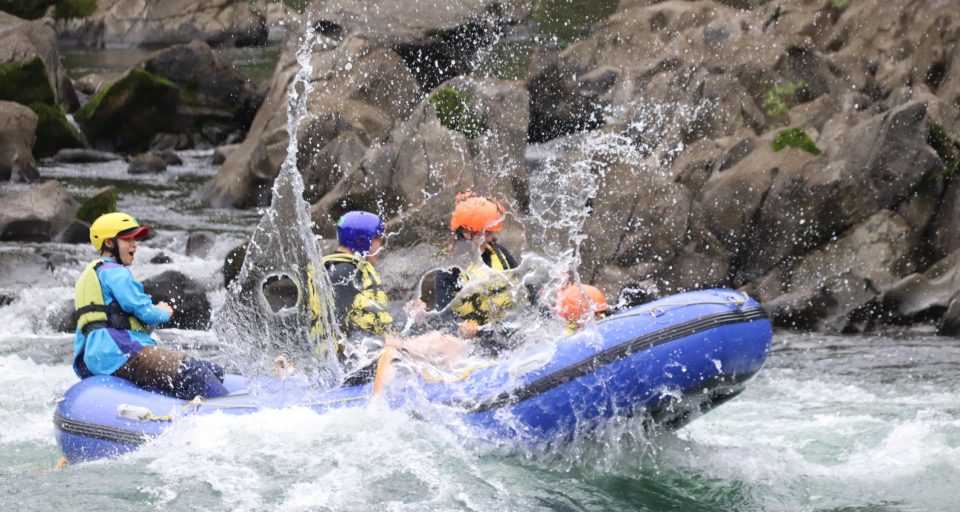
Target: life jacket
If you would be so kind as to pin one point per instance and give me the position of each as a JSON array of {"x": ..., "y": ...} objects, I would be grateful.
[
  {"x": 368, "y": 311},
  {"x": 91, "y": 311},
  {"x": 491, "y": 290}
]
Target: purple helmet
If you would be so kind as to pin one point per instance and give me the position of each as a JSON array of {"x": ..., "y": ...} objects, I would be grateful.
[{"x": 356, "y": 230}]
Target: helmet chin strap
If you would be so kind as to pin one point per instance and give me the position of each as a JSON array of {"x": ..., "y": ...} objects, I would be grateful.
[{"x": 114, "y": 250}]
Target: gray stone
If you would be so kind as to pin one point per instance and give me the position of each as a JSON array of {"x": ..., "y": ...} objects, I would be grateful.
[
  {"x": 186, "y": 296},
  {"x": 38, "y": 214},
  {"x": 200, "y": 243},
  {"x": 147, "y": 163},
  {"x": 18, "y": 132}
]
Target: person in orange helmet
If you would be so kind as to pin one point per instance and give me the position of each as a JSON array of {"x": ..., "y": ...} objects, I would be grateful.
[
  {"x": 580, "y": 304},
  {"x": 476, "y": 293}
]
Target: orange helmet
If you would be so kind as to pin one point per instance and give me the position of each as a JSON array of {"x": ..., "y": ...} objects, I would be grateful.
[
  {"x": 573, "y": 304},
  {"x": 477, "y": 214}
]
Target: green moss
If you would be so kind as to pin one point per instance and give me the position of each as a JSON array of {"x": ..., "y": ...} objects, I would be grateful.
[
  {"x": 26, "y": 83},
  {"x": 54, "y": 132},
  {"x": 839, "y": 5},
  {"x": 104, "y": 201},
  {"x": 131, "y": 111},
  {"x": 774, "y": 102},
  {"x": 566, "y": 21},
  {"x": 66, "y": 9},
  {"x": 946, "y": 149},
  {"x": 795, "y": 138},
  {"x": 26, "y": 9},
  {"x": 453, "y": 110}
]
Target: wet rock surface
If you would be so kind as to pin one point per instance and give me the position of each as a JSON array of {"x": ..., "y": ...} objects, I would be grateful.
[
  {"x": 189, "y": 300},
  {"x": 38, "y": 214}
]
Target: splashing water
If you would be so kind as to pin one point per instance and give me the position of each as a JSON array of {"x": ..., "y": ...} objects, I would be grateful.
[{"x": 280, "y": 304}]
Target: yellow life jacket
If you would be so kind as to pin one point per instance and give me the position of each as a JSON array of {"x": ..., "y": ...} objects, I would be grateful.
[
  {"x": 91, "y": 311},
  {"x": 368, "y": 311},
  {"x": 489, "y": 294}
]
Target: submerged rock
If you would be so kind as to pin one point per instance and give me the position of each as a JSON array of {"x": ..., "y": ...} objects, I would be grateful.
[
  {"x": 147, "y": 163},
  {"x": 200, "y": 243},
  {"x": 84, "y": 156}
]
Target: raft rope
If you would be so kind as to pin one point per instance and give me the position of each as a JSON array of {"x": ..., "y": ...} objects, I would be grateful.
[
  {"x": 739, "y": 299},
  {"x": 385, "y": 364}
]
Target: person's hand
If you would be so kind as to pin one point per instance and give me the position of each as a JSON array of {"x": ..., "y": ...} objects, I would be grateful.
[
  {"x": 468, "y": 329},
  {"x": 416, "y": 309},
  {"x": 165, "y": 307}
]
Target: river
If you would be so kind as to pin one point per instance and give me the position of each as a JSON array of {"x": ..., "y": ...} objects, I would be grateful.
[{"x": 830, "y": 423}]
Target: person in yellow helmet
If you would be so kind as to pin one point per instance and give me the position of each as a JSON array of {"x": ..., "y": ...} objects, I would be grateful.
[
  {"x": 115, "y": 318},
  {"x": 580, "y": 304},
  {"x": 477, "y": 294}
]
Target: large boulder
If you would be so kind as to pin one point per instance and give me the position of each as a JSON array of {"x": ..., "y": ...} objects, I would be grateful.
[
  {"x": 38, "y": 214},
  {"x": 18, "y": 132},
  {"x": 872, "y": 166},
  {"x": 126, "y": 115},
  {"x": 371, "y": 66},
  {"x": 216, "y": 101},
  {"x": 831, "y": 286},
  {"x": 30, "y": 74},
  {"x": 186, "y": 296},
  {"x": 467, "y": 134},
  {"x": 117, "y": 23}
]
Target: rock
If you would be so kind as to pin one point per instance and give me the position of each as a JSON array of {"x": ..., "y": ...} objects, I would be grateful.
[
  {"x": 188, "y": 298},
  {"x": 807, "y": 206},
  {"x": 169, "y": 157},
  {"x": 222, "y": 152},
  {"x": 156, "y": 23},
  {"x": 101, "y": 202},
  {"x": 833, "y": 288},
  {"x": 161, "y": 258},
  {"x": 200, "y": 243},
  {"x": 396, "y": 175},
  {"x": 215, "y": 99},
  {"x": 233, "y": 263},
  {"x": 30, "y": 74},
  {"x": 147, "y": 163},
  {"x": 925, "y": 296},
  {"x": 369, "y": 71},
  {"x": 7, "y": 297},
  {"x": 84, "y": 156},
  {"x": 126, "y": 115},
  {"x": 18, "y": 132},
  {"x": 90, "y": 84},
  {"x": 949, "y": 324},
  {"x": 77, "y": 232},
  {"x": 54, "y": 131},
  {"x": 38, "y": 214},
  {"x": 25, "y": 267}
]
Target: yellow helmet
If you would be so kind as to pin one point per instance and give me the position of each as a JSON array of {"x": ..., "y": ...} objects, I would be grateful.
[{"x": 115, "y": 225}]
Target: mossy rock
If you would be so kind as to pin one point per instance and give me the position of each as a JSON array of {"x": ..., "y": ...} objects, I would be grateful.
[
  {"x": 795, "y": 138},
  {"x": 454, "y": 112},
  {"x": 26, "y": 83},
  {"x": 104, "y": 201},
  {"x": 67, "y": 9},
  {"x": 126, "y": 115},
  {"x": 54, "y": 132}
]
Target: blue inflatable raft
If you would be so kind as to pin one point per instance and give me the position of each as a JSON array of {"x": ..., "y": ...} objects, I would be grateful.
[{"x": 669, "y": 361}]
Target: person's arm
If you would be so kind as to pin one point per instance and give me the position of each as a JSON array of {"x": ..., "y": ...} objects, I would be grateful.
[{"x": 129, "y": 294}]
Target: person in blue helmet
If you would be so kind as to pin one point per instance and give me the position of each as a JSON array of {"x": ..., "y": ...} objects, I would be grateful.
[
  {"x": 115, "y": 318},
  {"x": 361, "y": 306}
]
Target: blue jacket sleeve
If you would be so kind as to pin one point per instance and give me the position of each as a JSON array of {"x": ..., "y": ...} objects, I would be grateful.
[{"x": 119, "y": 284}]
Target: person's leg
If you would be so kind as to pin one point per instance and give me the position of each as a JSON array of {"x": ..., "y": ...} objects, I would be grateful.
[{"x": 174, "y": 373}]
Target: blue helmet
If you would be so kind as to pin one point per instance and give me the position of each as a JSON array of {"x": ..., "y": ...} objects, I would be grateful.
[{"x": 356, "y": 230}]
